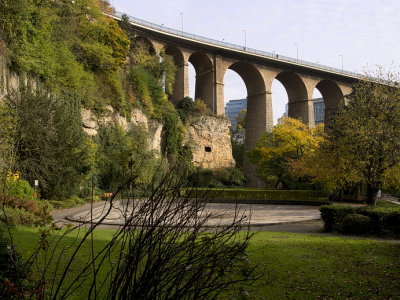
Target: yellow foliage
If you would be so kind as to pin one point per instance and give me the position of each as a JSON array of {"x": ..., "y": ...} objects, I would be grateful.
[
  {"x": 12, "y": 176},
  {"x": 288, "y": 142}
]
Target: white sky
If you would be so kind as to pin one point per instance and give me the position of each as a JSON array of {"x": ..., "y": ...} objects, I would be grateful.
[{"x": 365, "y": 32}]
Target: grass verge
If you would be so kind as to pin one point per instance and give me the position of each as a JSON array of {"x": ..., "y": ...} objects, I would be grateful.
[{"x": 298, "y": 266}]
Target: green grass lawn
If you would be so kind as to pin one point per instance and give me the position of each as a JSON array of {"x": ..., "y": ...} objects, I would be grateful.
[{"x": 298, "y": 266}]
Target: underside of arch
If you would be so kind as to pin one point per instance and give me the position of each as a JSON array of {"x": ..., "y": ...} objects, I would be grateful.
[
  {"x": 298, "y": 102},
  {"x": 204, "y": 88},
  {"x": 251, "y": 76},
  {"x": 181, "y": 85},
  {"x": 333, "y": 98},
  {"x": 259, "y": 106},
  {"x": 294, "y": 86}
]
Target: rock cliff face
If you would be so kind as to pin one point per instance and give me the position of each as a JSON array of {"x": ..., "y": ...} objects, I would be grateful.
[
  {"x": 207, "y": 136},
  {"x": 91, "y": 123},
  {"x": 209, "y": 139}
]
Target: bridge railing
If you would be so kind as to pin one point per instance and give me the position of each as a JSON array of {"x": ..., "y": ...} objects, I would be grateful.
[{"x": 240, "y": 48}]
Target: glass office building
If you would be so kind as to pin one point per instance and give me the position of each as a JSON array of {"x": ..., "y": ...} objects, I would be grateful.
[
  {"x": 232, "y": 109},
  {"x": 319, "y": 110}
]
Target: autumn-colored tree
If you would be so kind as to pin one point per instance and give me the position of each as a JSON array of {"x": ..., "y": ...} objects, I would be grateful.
[{"x": 288, "y": 141}]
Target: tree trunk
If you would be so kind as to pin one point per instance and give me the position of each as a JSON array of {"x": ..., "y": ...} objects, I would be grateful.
[{"x": 372, "y": 191}]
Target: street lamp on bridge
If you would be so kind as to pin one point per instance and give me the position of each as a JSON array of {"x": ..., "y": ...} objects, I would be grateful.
[
  {"x": 342, "y": 60},
  {"x": 181, "y": 22}
]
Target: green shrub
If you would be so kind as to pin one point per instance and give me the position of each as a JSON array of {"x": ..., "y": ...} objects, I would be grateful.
[
  {"x": 69, "y": 203},
  {"x": 231, "y": 177},
  {"x": 185, "y": 108},
  {"x": 355, "y": 224},
  {"x": 24, "y": 211},
  {"x": 383, "y": 219},
  {"x": 17, "y": 216},
  {"x": 21, "y": 188},
  {"x": 225, "y": 177},
  {"x": 57, "y": 204},
  {"x": 333, "y": 215},
  {"x": 75, "y": 201},
  {"x": 203, "y": 178}
]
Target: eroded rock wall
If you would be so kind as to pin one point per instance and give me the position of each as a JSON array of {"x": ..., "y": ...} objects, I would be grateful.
[
  {"x": 91, "y": 123},
  {"x": 210, "y": 141}
]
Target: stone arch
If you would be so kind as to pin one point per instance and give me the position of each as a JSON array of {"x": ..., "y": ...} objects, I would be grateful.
[
  {"x": 181, "y": 77},
  {"x": 333, "y": 98},
  {"x": 297, "y": 95},
  {"x": 257, "y": 105},
  {"x": 204, "y": 88},
  {"x": 147, "y": 43}
]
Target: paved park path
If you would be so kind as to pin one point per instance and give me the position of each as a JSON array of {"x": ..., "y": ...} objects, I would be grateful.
[
  {"x": 290, "y": 218},
  {"x": 283, "y": 218}
]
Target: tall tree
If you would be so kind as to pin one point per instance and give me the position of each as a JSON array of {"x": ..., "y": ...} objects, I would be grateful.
[
  {"x": 367, "y": 132},
  {"x": 363, "y": 144},
  {"x": 45, "y": 134}
]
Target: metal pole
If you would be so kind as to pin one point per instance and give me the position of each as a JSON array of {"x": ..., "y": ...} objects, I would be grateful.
[
  {"x": 181, "y": 22},
  {"x": 297, "y": 51},
  {"x": 245, "y": 38}
]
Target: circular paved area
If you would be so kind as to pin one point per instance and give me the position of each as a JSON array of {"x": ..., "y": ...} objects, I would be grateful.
[{"x": 223, "y": 213}]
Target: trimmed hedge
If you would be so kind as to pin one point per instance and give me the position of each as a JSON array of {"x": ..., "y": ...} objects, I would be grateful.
[
  {"x": 333, "y": 215},
  {"x": 259, "y": 196},
  {"x": 356, "y": 224},
  {"x": 381, "y": 220}
]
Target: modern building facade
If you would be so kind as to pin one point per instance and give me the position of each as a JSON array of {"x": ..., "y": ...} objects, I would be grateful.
[
  {"x": 319, "y": 110},
  {"x": 232, "y": 109}
]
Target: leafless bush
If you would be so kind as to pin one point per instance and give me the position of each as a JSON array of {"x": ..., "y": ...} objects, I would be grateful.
[{"x": 164, "y": 250}]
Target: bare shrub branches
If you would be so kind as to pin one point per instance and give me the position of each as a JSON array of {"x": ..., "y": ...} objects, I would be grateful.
[{"x": 164, "y": 250}]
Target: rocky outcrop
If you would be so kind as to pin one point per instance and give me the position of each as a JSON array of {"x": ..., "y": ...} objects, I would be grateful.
[
  {"x": 91, "y": 123},
  {"x": 209, "y": 139},
  {"x": 207, "y": 136}
]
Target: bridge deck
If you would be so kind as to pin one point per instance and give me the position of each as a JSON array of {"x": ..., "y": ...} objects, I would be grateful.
[{"x": 237, "y": 48}]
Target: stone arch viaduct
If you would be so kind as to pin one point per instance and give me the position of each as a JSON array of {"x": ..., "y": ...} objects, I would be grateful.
[{"x": 212, "y": 58}]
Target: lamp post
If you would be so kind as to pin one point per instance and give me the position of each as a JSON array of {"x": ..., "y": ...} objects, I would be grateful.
[
  {"x": 341, "y": 55},
  {"x": 181, "y": 22},
  {"x": 245, "y": 39},
  {"x": 297, "y": 51}
]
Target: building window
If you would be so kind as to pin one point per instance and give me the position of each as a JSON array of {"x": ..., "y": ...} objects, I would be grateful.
[{"x": 207, "y": 149}]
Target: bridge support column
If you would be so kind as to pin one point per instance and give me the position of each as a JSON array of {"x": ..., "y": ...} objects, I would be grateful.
[
  {"x": 205, "y": 89},
  {"x": 181, "y": 86},
  {"x": 219, "y": 71},
  {"x": 259, "y": 120},
  {"x": 302, "y": 110}
]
